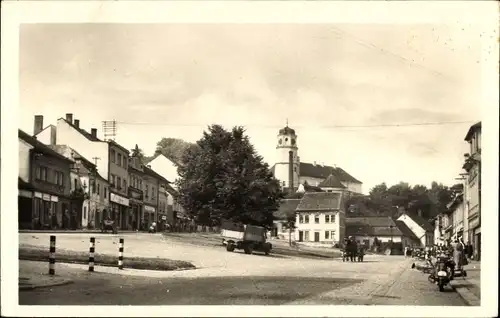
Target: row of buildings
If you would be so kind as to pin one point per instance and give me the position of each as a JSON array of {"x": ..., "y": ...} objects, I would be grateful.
[
  {"x": 70, "y": 178},
  {"x": 320, "y": 212},
  {"x": 463, "y": 216}
]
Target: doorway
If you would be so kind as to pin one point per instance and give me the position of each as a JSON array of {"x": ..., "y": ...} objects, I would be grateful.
[
  {"x": 316, "y": 236},
  {"x": 301, "y": 236}
]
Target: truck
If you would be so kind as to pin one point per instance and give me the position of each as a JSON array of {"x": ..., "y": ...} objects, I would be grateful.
[{"x": 245, "y": 237}]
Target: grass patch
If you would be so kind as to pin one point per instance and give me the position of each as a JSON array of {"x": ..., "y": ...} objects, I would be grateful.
[{"x": 31, "y": 253}]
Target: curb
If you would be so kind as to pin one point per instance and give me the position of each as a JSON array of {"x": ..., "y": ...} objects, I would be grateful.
[
  {"x": 32, "y": 287},
  {"x": 74, "y": 232},
  {"x": 469, "y": 298}
]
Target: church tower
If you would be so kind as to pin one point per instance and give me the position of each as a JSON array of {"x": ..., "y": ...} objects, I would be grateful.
[{"x": 286, "y": 169}]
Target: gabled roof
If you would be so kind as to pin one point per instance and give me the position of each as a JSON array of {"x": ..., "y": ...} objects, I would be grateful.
[
  {"x": 371, "y": 226},
  {"x": 82, "y": 131},
  {"x": 162, "y": 155},
  {"x": 320, "y": 201},
  {"x": 320, "y": 171},
  {"x": 471, "y": 131},
  {"x": 287, "y": 208},
  {"x": 420, "y": 221},
  {"x": 406, "y": 230},
  {"x": 21, "y": 184},
  {"x": 153, "y": 173},
  {"x": 331, "y": 182},
  {"x": 41, "y": 147}
]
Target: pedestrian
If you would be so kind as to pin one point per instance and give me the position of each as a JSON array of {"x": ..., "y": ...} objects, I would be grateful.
[{"x": 457, "y": 255}]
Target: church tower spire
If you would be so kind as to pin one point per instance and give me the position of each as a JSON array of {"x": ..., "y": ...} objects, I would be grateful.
[{"x": 287, "y": 164}]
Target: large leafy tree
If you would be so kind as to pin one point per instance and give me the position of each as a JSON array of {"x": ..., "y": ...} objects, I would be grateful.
[
  {"x": 224, "y": 178},
  {"x": 384, "y": 200},
  {"x": 173, "y": 148}
]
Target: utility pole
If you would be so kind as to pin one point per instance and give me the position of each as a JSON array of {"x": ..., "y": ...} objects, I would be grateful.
[{"x": 465, "y": 211}]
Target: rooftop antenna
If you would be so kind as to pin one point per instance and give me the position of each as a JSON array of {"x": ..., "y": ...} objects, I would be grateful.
[
  {"x": 95, "y": 160},
  {"x": 287, "y": 122},
  {"x": 109, "y": 128}
]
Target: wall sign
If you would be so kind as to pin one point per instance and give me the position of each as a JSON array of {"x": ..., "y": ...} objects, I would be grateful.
[
  {"x": 118, "y": 199},
  {"x": 149, "y": 208}
]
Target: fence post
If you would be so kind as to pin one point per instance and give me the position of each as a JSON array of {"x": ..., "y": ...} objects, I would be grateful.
[
  {"x": 52, "y": 255},
  {"x": 120, "y": 254},
  {"x": 91, "y": 254}
]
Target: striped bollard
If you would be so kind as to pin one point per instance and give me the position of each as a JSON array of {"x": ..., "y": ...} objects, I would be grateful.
[
  {"x": 91, "y": 254},
  {"x": 120, "y": 254},
  {"x": 52, "y": 255}
]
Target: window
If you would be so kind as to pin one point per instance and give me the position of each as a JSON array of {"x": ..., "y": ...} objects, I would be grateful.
[
  {"x": 93, "y": 187},
  {"x": 327, "y": 235},
  {"x": 98, "y": 189},
  {"x": 147, "y": 191},
  {"x": 306, "y": 218},
  {"x": 153, "y": 193},
  {"x": 119, "y": 161},
  {"x": 76, "y": 183},
  {"x": 327, "y": 218},
  {"x": 105, "y": 192},
  {"x": 118, "y": 183},
  {"x": 84, "y": 212},
  {"x": 124, "y": 184},
  {"x": 43, "y": 175},
  {"x": 61, "y": 178},
  {"x": 38, "y": 173},
  {"x": 112, "y": 155},
  {"x": 332, "y": 234},
  {"x": 124, "y": 163},
  {"x": 301, "y": 219},
  {"x": 112, "y": 177},
  {"x": 306, "y": 235},
  {"x": 316, "y": 219}
]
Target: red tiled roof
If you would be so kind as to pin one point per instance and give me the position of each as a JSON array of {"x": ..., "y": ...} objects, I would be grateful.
[
  {"x": 319, "y": 171},
  {"x": 287, "y": 208},
  {"x": 371, "y": 226},
  {"x": 82, "y": 131},
  {"x": 323, "y": 172},
  {"x": 331, "y": 182},
  {"x": 316, "y": 201},
  {"x": 426, "y": 225},
  {"x": 41, "y": 147},
  {"x": 406, "y": 230}
]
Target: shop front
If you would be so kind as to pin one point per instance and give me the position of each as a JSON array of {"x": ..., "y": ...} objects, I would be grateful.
[
  {"x": 135, "y": 214},
  {"x": 25, "y": 209},
  {"x": 119, "y": 210},
  {"x": 475, "y": 237},
  {"x": 50, "y": 211},
  {"x": 149, "y": 214}
]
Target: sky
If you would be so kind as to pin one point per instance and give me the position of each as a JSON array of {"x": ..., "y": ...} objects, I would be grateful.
[{"x": 173, "y": 80}]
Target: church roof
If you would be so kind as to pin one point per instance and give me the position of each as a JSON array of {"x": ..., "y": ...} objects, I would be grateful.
[
  {"x": 287, "y": 131},
  {"x": 317, "y": 201},
  {"x": 320, "y": 171},
  {"x": 331, "y": 182}
]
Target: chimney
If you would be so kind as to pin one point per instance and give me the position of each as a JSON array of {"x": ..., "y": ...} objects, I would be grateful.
[
  {"x": 53, "y": 135},
  {"x": 290, "y": 171},
  {"x": 93, "y": 132},
  {"x": 38, "y": 125},
  {"x": 77, "y": 123},
  {"x": 314, "y": 162},
  {"x": 149, "y": 166},
  {"x": 69, "y": 118}
]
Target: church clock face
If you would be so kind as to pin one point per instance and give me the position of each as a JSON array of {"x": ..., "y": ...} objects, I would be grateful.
[
  {"x": 293, "y": 141},
  {"x": 280, "y": 141}
]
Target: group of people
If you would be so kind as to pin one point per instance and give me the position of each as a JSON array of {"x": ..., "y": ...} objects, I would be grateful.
[
  {"x": 352, "y": 250},
  {"x": 456, "y": 249}
]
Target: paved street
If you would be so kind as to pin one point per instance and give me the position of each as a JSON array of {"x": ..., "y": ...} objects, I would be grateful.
[{"x": 231, "y": 278}]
